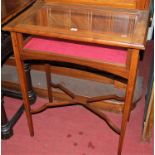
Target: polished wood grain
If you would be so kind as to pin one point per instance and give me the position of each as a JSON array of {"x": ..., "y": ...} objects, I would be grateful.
[
  {"x": 60, "y": 96},
  {"x": 129, "y": 96},
  {"x": 22, "y": 77},
  {"x": 112, "y": 3},
  {"x": 143, "y": 4},
  {"x": 115, "y": 69},
  {"x": 10, "y": 8},
  {"x": 130, "y": 4},
  {"x": 82, "y": 23},
  {"x": 81, "y": 73}
]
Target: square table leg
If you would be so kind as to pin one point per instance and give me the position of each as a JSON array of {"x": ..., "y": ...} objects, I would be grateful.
[
  {"x": 129, "y": 96},
  {"x": 16, "y": 42}
]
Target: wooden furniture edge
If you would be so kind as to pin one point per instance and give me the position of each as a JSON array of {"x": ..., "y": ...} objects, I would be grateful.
[
  {"x": 149, "y": 123},
  {"x": 131, "y": 4},
  {"x": 18, "y": 10},
  {"x": 85, "y": 75},
  {"x": 116, "y": 108}
]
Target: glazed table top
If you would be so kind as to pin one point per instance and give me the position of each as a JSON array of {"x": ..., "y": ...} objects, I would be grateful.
[{"x": 87, "y": 23}]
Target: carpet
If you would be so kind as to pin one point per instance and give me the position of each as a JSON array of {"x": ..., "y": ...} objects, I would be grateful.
[{"x": 76, "y": 131}]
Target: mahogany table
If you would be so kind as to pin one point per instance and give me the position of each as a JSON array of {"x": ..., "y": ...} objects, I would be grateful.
[{"x": 86, "y": 25}]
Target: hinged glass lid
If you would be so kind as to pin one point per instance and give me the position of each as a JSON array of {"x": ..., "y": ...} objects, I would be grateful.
[{"x": 97, "y": 23}]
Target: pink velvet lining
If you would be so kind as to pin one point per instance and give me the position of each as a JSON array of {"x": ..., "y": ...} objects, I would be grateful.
[{"x": 104, "y": 54}]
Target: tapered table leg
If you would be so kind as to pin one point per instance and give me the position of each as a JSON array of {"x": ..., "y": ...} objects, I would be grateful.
[
  {"x": 17, "y": 42},
  {"x": 7, "y": 125},
  {"x": 128, "y": 97}
]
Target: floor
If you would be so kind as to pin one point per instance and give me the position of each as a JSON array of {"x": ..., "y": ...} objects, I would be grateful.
[{"x": 76, "y": 131}]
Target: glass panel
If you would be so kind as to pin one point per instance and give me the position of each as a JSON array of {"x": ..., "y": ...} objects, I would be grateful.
[
  {"x": 110, "y": 23},
  {"x": 83, "y": 22},
  {"x": 60, "y": 17},
  {"x": 79, "y": 20},
  {"x": 57, "y": 18},
  {"x": 51, "y": 17}
]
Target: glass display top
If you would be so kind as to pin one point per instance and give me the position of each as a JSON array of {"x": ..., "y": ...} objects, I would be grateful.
[{"x": 103, "y": 25}]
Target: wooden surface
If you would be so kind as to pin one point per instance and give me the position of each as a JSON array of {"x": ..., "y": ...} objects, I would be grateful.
[
  {"x": 142, "y": 4},
  {"x": 149, "y": 121},
  {"x": 83, "y": 73},
  {"x": 113, "y": 3},
  {"x": 10, "y": 8},
  {"x": 129, "y": 96},
  {"x": 131, "y": 4},
  {"x": 82, "y": 23}
]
